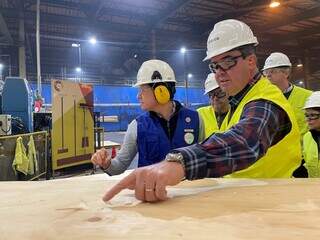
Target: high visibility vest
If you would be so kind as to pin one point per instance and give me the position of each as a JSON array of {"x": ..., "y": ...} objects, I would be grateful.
[
  {"x": 297, "y": 99},
  {"x": 280, "y": 159},
  {"x": 209, "y": 119},
  {"x": 311, "y": 155}
]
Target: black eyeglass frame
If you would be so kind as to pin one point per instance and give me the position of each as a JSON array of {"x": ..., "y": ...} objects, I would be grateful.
[
  {"x": 233, "y": 60},
  {"x": 312, "y": 116}
]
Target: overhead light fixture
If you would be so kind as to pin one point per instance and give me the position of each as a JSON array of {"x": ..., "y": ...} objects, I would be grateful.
[
  {"x": 190, "y": 75},
  {"x": 1, "y": 66},
  {"x": 183, "y": 50},
  {"x": 301, "y": 82},
  {"x": 299, "y": 63},
  {"x": 93, "y": 40},
  {"x": 78, "y": 69},
  {"x": 75, "y": 45},
  {"x": 274, "y": 4}
]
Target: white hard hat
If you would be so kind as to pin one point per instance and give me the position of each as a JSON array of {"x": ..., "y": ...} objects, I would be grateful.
[
  {"x": 154, "y": 71},
  {"x": 210, "y": 83},
  {"x": 227, "y": 35},
  {"x": 277, "y": 59},
  {"x": 313, "y": 101}
]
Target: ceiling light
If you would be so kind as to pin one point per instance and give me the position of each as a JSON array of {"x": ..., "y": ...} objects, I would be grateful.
[
  {"x": 93, "y": 40},
  {"x": 76, "y": 45},
  {"x": 274, "y": 4},
  {"x": 183, "y": 50},
  {"x": 299, "y": 64}
]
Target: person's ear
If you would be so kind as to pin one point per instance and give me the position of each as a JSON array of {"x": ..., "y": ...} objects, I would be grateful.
[
  {"x": 286, "y": 74},
  {"x": 252, "y": 60}
]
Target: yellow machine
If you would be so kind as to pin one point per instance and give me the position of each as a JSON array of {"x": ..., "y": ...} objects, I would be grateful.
[{"x": 72, "y": 123}]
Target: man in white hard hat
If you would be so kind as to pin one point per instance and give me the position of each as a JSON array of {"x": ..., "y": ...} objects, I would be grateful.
[
  {"x": 164, "y": 126},
  {"x": 277, "y": 69},
  {"x": 311, "y": 140},
  {"x": 260, "y": 138},
  {"x": 214, "y": 114}
]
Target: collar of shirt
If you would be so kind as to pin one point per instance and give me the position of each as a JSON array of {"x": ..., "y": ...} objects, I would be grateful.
[
  {"x": 169, "y": 126},
  {"x": 289, "y": 89},
  {"x": 235, "y": 100},
  {"x": 175, "y": 109}
]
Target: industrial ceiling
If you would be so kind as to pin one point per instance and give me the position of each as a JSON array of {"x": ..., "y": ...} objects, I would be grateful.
[{"x": 130, "y": 32}]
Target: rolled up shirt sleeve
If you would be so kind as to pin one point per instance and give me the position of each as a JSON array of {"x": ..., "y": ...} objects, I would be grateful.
[{"x": 261, "y": 125}]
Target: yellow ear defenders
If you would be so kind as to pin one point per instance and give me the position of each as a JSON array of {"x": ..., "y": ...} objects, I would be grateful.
[{"x": 162, "y": 94}]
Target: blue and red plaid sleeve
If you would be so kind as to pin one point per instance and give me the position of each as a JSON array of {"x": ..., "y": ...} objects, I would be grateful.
[{"x": 262, "y": 124}]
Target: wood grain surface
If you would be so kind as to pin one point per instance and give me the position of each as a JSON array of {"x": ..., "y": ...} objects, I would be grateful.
[{"x": 206, "y": 209}]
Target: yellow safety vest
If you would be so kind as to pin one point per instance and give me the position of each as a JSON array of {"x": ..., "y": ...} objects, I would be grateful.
[
  {"x": 282, "y": 158},
  {"x": 311, "y": 155},
  {"x": 297, "y": 99},
  {"x": 209, "y": 119}
]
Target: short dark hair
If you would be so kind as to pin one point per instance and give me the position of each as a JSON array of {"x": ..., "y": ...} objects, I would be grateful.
[
  {"x": 315, "y": 108},
  {"x": 246, "y": 50}
]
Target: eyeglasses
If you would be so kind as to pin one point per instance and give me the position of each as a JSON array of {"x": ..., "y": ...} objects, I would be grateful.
[
  {"x": 225, "y": 64},
  {"x": 270, "y": 71},
  {"x": 218, "y": 94},
  {"x": 312, "y": 116}
]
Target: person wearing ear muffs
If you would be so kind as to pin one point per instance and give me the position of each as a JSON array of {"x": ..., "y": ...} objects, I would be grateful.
[{"x": 164, "y": 126}]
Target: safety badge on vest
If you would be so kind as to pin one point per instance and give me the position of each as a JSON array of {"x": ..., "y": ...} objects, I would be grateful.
[{"x": 189, "y": 137}]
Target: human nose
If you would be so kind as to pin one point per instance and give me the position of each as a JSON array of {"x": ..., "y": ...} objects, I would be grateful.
[{"x": 220, "y": 73}]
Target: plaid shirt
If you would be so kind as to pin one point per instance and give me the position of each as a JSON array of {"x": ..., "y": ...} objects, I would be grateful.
[{"x": 262, "y": 124}]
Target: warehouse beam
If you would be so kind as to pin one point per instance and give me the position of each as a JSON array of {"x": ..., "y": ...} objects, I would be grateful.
[
  {"x": 305, "y": 15},
  {"x": 83, "y": 22},
  {"x": 312, "y": 13},
  {"x": 164, "y": 15},
  {"x": 100, "y": 10},
  {"x": 5, "y": 35},
  {"x": 296, "y": 36},
  {"x": 235, "y": 13}
]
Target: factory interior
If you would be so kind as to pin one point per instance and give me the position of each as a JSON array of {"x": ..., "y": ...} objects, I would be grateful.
[{"x": 86, "y": 153}]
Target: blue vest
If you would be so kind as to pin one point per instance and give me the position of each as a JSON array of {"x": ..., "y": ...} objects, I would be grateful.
[{"x": 153, "y": 143}]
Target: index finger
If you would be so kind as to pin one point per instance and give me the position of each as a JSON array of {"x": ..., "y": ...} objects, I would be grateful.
[{"x": 127, "y": 182}]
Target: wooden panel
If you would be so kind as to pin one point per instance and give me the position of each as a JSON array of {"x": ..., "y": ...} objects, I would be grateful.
[{"x": 207, "y": 209}]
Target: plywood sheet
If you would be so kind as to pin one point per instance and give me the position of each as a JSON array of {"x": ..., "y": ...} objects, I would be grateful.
[{"x": 206, "y": 209}]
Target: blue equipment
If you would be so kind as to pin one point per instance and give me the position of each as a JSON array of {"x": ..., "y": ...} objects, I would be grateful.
[{"x": 17, "y": 100}]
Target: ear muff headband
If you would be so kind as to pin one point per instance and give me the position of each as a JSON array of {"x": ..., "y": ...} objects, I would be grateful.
[{"x": 162, "y": 94}]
